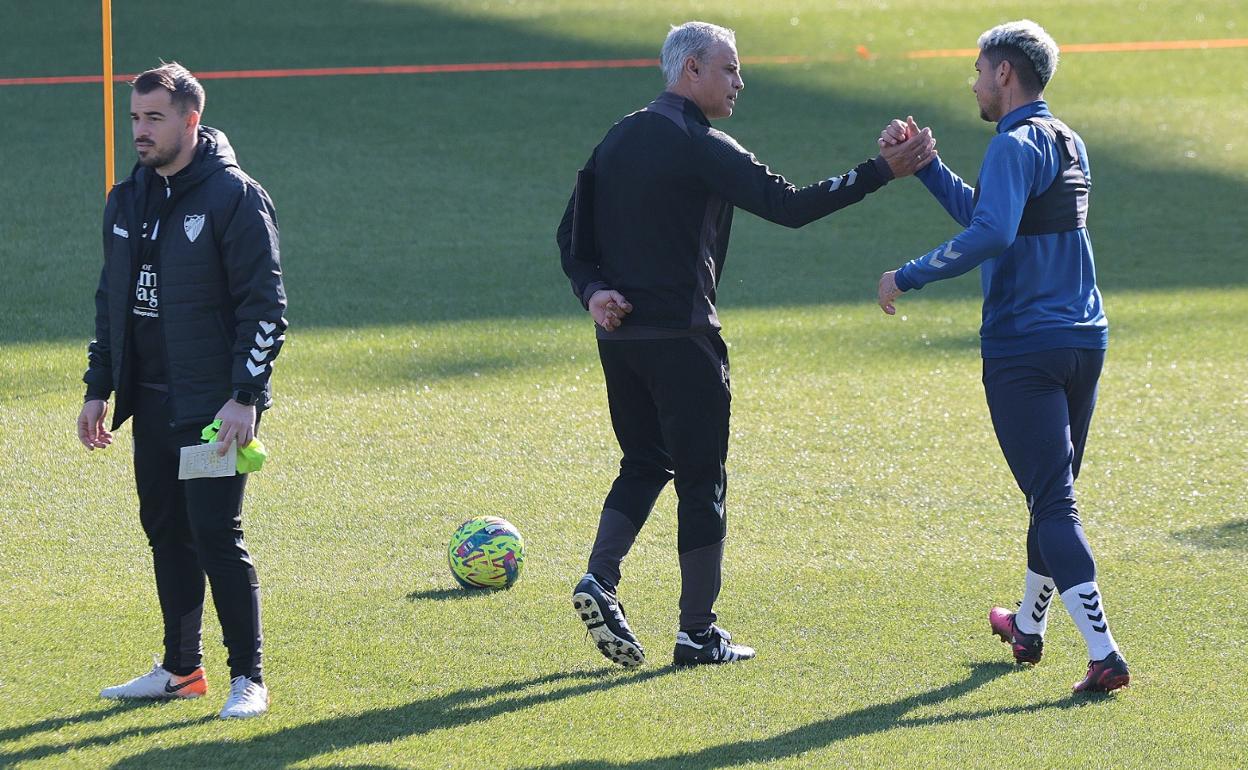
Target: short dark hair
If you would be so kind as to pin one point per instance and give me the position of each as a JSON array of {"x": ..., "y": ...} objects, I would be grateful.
[
  {"x": 1021, "y": 64},
  {"x": 185, "y": 91}
]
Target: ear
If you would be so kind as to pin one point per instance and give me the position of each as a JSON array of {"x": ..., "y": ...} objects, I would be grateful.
[
  {"x": 691, "y": 67},
  {"x": 1005, "y": 72},
  {"x": 192, "y": 120}
]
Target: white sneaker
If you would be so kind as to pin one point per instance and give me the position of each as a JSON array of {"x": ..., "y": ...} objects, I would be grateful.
[
  {"x": 159, "y": 684},
  {"x": 247, "y": 699}
]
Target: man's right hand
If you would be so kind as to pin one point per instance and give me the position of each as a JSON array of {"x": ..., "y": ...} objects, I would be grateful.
[
  {"x": 908, "y": 156},
  {"x": 91, "y": 430},
  {"x": 609, "y": 308}
]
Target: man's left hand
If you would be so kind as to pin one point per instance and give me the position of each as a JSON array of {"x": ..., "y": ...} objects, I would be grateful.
[
  {"x": 238, "y": 423},
  {"x": 888, "y": 292}
]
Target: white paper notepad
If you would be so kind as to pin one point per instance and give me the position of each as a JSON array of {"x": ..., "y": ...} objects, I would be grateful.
[{"x": 202, "y": 461}]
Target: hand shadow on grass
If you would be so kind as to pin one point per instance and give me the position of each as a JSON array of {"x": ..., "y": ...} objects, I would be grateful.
[
  {"x": 1228, "y": 534},
  {"x": 455, "y": 709},
  {"x": 865, "y": 721}
]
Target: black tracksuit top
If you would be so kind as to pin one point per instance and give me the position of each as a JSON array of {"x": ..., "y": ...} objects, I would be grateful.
[
  {"x": 222, "y": 301},
  {"x": 652, "y": 212}
]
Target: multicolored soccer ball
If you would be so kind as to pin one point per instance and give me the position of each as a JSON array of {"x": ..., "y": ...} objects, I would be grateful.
[{"x": 486, "y": 552}]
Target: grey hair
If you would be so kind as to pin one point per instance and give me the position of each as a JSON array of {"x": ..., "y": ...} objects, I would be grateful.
[
  {"x": 693, "y": 38},
  {"x": 1029, "y": 39}
]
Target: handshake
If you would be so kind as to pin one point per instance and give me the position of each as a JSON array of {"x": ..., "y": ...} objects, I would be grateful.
[{"x": 906, "y": 149}]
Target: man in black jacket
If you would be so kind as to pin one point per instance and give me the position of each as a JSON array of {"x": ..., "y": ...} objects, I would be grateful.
[
  {"x": 189, "y": 318},
  {"x": 643, "y": 240}
]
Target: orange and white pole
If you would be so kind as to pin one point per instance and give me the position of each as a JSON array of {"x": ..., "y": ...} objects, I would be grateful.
[{"x": 108, "y": 95}]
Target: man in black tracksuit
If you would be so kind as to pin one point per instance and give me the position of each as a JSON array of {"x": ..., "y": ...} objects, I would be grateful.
[
  {"x": 643, "y": 240},
  {"x": 189, "y": 318}
]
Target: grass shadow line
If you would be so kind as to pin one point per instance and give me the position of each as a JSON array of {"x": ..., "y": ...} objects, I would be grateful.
[
  {"x": 33, "y": 753},
  {"x": 475, "y": 704},
  {"x": 864, "y": 721},
  {"x": 56, "y": 723},
  {"x": 1231, "y": 534}
]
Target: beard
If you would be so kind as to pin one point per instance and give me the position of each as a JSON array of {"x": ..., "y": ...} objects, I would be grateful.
[
  {"x": 155, "y": 158},
  {"x": 990, "y": 102}
]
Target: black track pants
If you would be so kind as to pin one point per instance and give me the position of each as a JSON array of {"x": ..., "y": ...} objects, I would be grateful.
[
  {"x": 669, "y": 401},
  {"x": 195, "y": 529}
]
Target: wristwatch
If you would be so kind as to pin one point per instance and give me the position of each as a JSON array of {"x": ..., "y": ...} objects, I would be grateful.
[{"x": 245, "y": 397}]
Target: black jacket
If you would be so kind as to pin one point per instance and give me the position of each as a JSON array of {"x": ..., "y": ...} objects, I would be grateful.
[
  {"x": 221, "y": 294},
  {"x": 652, "y": 211}
]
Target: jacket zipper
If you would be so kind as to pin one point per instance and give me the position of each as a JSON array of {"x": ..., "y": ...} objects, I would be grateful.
[{"x": 164, "y": 342}]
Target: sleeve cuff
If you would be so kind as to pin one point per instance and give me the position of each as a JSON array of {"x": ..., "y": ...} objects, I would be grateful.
[
  {"x": 900, "y": 279},
  {"x": 881, "y": 165},
  {"x": 595, "y": 286}
]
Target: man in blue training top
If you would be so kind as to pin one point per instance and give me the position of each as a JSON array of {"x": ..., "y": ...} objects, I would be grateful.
[{"x": 1044, "y": 333}]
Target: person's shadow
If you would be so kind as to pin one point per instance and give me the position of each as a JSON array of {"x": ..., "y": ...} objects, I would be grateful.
[
  {"x": 455, "y": 709},
  {"x": 478, "y": 704},
  {"x": 865, "y": 721},
  {"x": 53, "y": 724}
]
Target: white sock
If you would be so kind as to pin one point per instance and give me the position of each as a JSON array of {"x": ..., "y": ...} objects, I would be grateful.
[
  {"x": 1033, "y": 613},
  {"x": 1084, "y": 604}
]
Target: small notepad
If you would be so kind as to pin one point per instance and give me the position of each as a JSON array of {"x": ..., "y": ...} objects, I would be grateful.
[{"x": 202, "y": 461}]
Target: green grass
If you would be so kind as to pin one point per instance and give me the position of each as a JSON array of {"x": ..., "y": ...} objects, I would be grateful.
[{"x": 438, "y": 368}]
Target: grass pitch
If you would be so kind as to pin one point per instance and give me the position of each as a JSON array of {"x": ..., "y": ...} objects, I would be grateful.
[{"x": 437, "y": 368}]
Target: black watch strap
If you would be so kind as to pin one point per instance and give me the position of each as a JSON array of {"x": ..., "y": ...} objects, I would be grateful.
[{"x": 244, "y": 397}]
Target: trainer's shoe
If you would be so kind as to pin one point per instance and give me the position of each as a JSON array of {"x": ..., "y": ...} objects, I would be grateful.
[
  {"x": 160, "y": 684},
  {"x": 1027, "y": 648},
  {"x": 714, "y": 645},
  {"x": 247, "y": 699},
  {"x": 1105, "y": 675},
  {"x": 603, "y": 615}
]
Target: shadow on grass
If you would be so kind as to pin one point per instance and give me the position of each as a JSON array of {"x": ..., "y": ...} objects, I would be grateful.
[
  {"x": 479, "y": 704},
  {"x": 450, "y": 213},
  {"x": 866, "y": 721},
  {"x": 1231, "y": 534},
  {"x": 11, "y": 758},
  {"x": 455, "y": 709},
  {"x": 445, "y": 594},
  {"x": 56, "y": 723}
]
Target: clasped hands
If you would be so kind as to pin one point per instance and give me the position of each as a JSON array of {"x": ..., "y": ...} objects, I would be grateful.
[
  {"x": 906, "y": 148},
  {"x": 608, "y": 308}
]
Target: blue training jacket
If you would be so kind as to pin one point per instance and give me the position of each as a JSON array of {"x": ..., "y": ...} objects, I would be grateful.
[{"x": 1039, "y": 290}]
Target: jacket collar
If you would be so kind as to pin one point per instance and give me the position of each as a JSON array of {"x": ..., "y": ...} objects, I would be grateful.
[
  {"x": 1038, "y": 108},
  {"x": 213, "y": 152}
]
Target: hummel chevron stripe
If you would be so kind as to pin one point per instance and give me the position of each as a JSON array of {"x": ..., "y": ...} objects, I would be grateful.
[{"x": 949, "y": 256}]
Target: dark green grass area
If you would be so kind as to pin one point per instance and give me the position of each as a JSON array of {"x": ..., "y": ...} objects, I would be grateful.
[
  {"x": 407, "y": 198},
  {"x": 438, "y": 368}
]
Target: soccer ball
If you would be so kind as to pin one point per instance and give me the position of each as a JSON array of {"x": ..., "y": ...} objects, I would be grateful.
[{"x": 486, "y": 552}]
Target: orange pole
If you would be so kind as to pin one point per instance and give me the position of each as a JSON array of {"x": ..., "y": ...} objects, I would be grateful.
[{"x": 108, "y": 95}]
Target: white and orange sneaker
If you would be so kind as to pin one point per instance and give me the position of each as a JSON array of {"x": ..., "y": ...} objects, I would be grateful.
[
  {"x": 159, "y": 684},
  {"x": 247, "y": 699}
]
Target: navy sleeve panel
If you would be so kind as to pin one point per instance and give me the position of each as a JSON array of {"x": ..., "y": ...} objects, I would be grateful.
[
  {"x": 734, "y": 174},
  {"x": 582, "y": 269}
]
